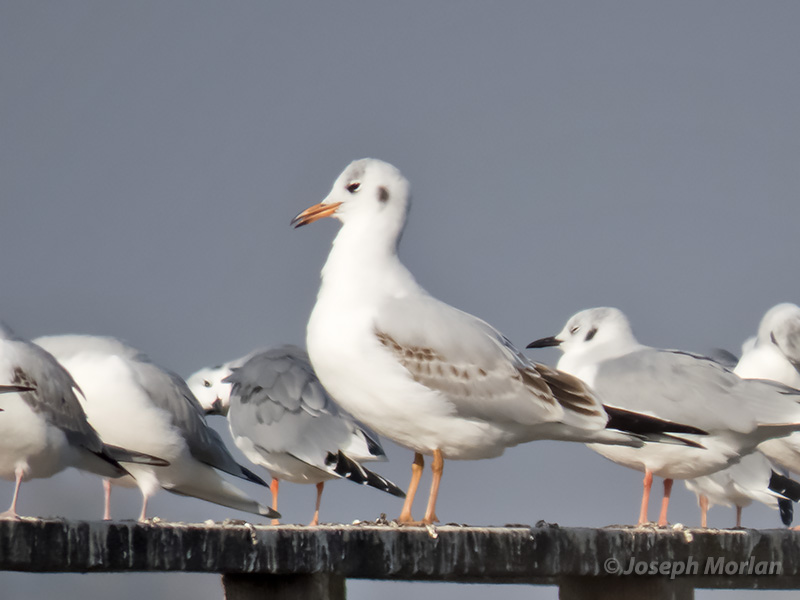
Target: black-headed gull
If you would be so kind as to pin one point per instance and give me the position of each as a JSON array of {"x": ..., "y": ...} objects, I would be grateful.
[
  {"x": 43, "y": 428},
  {"x": 600, "y": 348},
  {"x": 135, "y": 403},
  {"x": 419, "y": 372},
  {"x": 282, "y": 418}
]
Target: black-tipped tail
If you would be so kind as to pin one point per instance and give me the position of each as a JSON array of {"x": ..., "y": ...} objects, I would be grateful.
[{"x": 349, "y": 469}]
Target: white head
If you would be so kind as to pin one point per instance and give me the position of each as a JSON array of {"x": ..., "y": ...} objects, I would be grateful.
[
  {"x": 780, "y": 327},
  {"x": 591, "y": 336},
  {"x": 207, "y": 386},
  {"x": 369, "y": 194}
]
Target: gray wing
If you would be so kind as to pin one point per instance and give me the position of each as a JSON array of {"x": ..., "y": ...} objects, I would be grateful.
[
  {"x": 170, "y": 392},
  {"x": 52, "y": 390},
  {"x": 688, "y": 388},
  {"x": 478, "y": 370},
  {"x": 279, "y": 404}
]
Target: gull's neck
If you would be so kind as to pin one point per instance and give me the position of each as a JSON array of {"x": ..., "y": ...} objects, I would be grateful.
[
  {"x": 363, "y": 266},
  {"x": 583, "y": 362}
]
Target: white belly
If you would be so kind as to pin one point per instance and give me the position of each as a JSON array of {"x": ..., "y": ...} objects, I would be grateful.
[
  {"x": 671, "y": 461},
  {"x": 27, "y": 441}
]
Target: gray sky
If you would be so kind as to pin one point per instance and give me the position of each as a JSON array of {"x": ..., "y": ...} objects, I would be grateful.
[{"x": 562, "y": 155}]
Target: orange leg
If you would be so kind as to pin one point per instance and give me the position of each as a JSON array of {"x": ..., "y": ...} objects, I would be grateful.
[
  {"x": 416, "y": 473},
  {"x": 315, "y": 520},
  {"x": 273, "y": 488},
  {"x": 662, "y": 518},
  {"x": 648, "y": 483},
  {"x": 738, "y": 516},
  {"x": 437, "y": 467},
  {"x": 703, "y": 501},
  {"x": 106, "y": 499}
]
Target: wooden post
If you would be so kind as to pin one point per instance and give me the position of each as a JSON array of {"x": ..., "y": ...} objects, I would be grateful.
[
  {"x": 318, "y": 586},
  {"x": 624, "y": 588}
]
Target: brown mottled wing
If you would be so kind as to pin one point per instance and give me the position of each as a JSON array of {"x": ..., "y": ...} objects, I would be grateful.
[{"x": 477, "y": 369}]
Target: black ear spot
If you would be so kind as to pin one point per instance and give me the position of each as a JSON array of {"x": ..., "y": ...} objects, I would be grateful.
[
  {"x": 383, "y": 195},
  {"x": 590, "y": 334},
  {"x": 772, "y": 338}
]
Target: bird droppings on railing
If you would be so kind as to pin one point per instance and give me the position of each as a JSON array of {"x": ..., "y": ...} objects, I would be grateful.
[{"x": 542, "y": 554}]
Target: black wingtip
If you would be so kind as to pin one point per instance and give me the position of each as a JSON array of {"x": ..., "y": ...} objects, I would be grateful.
[
  {"x": 250, "y": 476},
  {"x": 347, "y": 468},
  {"x": 785, "y": 486},
  {"x": 120, "y": 454},
  {"x": 786, "y": 509},
  {"x": 633, "y": 422}
]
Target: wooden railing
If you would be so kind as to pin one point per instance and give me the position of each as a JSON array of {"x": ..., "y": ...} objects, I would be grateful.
[{"x": 314, "y": 562}]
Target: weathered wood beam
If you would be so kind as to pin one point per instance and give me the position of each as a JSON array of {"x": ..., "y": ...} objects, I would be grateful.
[{"x": 540, "y": 555}]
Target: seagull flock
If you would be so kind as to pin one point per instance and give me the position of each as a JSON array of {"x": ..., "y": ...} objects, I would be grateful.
[{"x": 386, "y": 359}]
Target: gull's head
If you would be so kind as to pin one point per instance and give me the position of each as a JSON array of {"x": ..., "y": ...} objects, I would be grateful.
[
  {"x": 213, "y": 394},
  {"x": 369, "y": 191},
  {"x": 780, "y": 327},
  {"x": 599, "y": 333}
]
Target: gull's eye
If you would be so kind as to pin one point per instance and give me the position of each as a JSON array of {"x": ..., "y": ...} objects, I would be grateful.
[
  {"x": 574, "y": 330},
  {"x": 206, "y": 383},
  {"x": 353, "y": 187}
]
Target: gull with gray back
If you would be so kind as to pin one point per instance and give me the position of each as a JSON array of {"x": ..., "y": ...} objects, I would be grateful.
[
  {"x": 133, "y": 402},
  {"x": 43, "y": 427},
  {"x": 600, "y": 348},
  {"x": 426, "y": 375},
  {"x": 282, "y": 418}
]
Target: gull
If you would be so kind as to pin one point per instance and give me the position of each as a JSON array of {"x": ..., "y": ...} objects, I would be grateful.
[
  {"x": 282, "y": 418},
  {"x": 429, "y": 377},
  {"x": 135, "y": 403},
  {"x": 208, "y": 387},
  {"x": 752, "y": 478},
  {"x": 600, "y": 348},
  {"x": 43, "y": 428},
  {"x": 774, "y": 355}
]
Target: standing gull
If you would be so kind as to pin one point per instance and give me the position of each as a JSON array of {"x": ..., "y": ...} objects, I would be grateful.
[
  {"x": 133, "y": 402},
  {"x": 426, "y": 375},
  {"x": 282, "y": 418},
  {"x": 774, "y": 355},
  {"x": 600, "y": 348},
  {"x": 43, "y": 428},
  {"x": 752, "y": 478}
]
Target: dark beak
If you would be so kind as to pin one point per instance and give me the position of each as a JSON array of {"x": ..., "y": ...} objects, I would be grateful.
[
  {"x": 216, "y": 408},
  {"x": 545, "y": 342}
]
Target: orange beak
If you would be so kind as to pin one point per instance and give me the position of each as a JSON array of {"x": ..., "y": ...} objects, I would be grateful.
[{"x": 314, "y": 213}]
